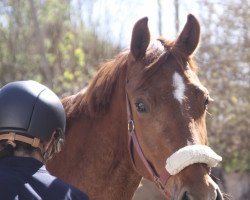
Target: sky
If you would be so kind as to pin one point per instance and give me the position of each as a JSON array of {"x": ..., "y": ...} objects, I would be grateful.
[{"x": 114, "y": 20}]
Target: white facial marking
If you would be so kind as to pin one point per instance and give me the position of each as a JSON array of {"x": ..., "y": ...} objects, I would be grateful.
[{"x": 179, "y": 87}]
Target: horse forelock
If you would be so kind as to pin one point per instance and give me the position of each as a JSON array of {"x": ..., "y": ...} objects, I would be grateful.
[
  {"x": 153, "y": 52},
  {"x": 154, "y": 61}
]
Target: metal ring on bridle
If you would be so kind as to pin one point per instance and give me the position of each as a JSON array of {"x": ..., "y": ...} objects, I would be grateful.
[{"x": 131, "y": 126}]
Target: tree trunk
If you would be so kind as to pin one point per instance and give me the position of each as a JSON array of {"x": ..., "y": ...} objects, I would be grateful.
[
  {"x": 177, "y": 24},
  {"x": 47, "y": 72},
  {"x": 159, "y": 17}
]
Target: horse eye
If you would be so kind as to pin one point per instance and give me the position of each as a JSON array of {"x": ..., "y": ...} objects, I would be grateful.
[
  {"x": 206, "y": 102},
  {"x": 140, "y": 106}
]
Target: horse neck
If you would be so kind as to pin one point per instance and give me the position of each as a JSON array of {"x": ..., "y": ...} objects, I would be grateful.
[
  {"x": 96, "y": 157},
  {"x": 111, "y": 130}
]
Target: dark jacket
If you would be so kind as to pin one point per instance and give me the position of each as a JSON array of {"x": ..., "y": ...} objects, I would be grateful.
[{"x": 25, "y": 178}]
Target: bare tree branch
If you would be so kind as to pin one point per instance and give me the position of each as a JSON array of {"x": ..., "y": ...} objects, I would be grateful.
[{"x": 40, "y": 44}]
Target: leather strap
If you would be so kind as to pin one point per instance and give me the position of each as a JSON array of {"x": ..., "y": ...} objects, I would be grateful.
[
  {"x": 11, "y": 136},
  {"x": 161, "y": 180}
]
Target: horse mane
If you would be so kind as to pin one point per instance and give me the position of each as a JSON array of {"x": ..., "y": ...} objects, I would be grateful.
[{"x": 97, "y": 96}]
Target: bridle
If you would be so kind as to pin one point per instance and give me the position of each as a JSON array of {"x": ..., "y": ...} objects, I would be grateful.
[{"x": 160, "y": 180}]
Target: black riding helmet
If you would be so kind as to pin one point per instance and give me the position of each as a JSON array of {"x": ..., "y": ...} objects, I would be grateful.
[{"x": 30, "y": 109}]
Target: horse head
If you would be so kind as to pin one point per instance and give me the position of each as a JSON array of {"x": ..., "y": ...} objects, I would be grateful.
[{"x": 166, "y": 111}]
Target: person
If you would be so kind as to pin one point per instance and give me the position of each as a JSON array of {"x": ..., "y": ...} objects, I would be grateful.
[{"x": 32, "y": 125}]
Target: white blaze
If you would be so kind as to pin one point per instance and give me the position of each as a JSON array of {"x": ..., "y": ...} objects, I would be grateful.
[{"x": 179, "y": 87}]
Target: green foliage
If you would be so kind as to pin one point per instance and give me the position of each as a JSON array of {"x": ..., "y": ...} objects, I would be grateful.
[
  {"x": 69, "y": 51},
  {"x": 235, "y": 163}
]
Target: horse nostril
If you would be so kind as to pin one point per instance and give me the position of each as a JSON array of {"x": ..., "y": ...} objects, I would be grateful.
[
  {"x": 185, "y": 196},
  {"x": 219, "y": 195}
]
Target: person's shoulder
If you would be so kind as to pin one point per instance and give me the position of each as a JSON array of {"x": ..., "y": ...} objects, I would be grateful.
[
  {"x": 9, "y": 185},
  {"x": 72, "y": 193},
  {"x": 76, "y": 194},
  {"x": 7, "y": 178}
]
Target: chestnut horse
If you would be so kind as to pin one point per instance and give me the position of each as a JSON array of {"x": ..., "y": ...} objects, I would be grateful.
[{"x": 154, "y": 89}]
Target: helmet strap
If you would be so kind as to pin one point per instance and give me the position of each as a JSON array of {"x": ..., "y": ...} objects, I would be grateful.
[
  {"x": 12, "y": 143},
  {"x": 53, "y": 146},
  {"x": 47, "y": 152},
  {"x": 11, "y": 137}
]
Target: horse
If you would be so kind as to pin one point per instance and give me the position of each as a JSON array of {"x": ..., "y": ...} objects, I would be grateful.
[{"x": 142, "y": 115}]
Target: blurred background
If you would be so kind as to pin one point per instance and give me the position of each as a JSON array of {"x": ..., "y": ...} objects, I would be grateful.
[{"x": 61, "y": 44}]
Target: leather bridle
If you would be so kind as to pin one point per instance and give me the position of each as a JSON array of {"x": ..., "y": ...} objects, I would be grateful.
[{"x": 160, "y": 180}]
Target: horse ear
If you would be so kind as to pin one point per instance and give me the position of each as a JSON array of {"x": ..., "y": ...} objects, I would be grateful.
[
  {"x": 140, "y": 38},
  {"x": 189, "y": 38}
]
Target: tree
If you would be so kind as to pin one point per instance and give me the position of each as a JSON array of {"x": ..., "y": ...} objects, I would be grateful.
[
  {"x": 224, "y": 57},
  {"x": 48, "y": 42}
]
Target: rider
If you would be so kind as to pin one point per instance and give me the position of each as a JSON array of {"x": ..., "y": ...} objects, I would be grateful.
[{"x": 32, "y": 125}]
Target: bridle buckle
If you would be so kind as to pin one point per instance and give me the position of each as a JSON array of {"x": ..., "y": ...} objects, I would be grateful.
[
  {"x": 159, "y": 183},
  {"x": 131, "y": 126}
]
